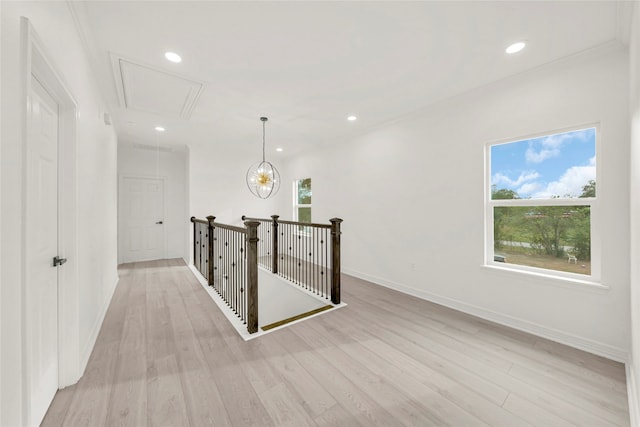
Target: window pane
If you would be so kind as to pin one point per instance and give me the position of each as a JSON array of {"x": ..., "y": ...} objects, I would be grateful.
[
  {"x": 304, "y": 214},
  {"x": 304, "y": 191},
  {"x": 561, "y": 165},
  {"x": 550, "y": 237}
]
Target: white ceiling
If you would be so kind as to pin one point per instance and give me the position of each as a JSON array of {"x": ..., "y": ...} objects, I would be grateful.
[{"x": 307, "y": 65}]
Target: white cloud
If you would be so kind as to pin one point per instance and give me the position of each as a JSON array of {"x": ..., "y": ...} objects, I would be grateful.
[
  {"x": 526, "y": 189},
  {"x": 570, "y": 183},
  {"x": 534, "y": 156},
  {"x": 547, "y": 148},
  {"x": 499, "y": 178}
]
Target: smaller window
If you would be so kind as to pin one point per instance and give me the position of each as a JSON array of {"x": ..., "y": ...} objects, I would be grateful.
[{"x": 302, "y": 200}]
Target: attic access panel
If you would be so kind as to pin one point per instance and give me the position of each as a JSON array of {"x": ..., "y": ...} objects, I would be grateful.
[{"x": 145, "y": 88}]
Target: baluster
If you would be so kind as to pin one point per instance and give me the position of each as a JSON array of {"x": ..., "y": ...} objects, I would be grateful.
[
  {"x": 196, "y": 248},
  {"x": 209, "y": 261},
  {"x": 230, "y": 275},
  {"x": 234, "y": 265},
  {"x": 194, "y": 239},
  {"x": 298, "y": 262},
  {"x": 274, "y": 244},
  {"x": 228, "y": 264},
  {"x": 244, "y": 279},
  {"x": 314, "y": 231},
  {"x": 324, "y": 262},
  {"x": 223, "y": 265},
  {"x": 236, "y": 251},
  {"x": 216, "y": 265},
  {"x": 315, "y": 259},
  {"x": 290, "y": 237}
]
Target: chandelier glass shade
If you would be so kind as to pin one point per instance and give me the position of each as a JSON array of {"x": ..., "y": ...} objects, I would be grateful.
[{"x": 263, "y": 179}]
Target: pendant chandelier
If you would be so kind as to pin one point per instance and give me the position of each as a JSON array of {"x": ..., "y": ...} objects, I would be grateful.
[{"x": 263, "y": 178}]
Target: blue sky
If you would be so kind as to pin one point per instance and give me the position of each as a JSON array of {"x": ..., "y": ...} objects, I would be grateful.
[{"x": 548, "y": 166}]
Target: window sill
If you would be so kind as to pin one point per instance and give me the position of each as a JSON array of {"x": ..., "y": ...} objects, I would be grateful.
[{"x": 550, "y": 279}]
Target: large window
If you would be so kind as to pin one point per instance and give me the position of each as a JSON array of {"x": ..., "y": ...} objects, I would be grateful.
[
  {"x": 541, "y": 204},
  {"x": 302, "y": 200}
]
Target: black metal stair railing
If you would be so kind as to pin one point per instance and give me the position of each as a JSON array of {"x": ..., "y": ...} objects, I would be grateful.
[
  {"x": 307, "y": 254},
  {"x": 227, "y": 258}
]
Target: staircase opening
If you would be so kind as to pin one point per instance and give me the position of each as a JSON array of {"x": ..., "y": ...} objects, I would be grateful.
[{"x": 269, "y": 273}]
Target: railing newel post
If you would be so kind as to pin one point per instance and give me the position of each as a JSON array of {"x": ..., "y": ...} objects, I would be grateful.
[
  {"x": 335, "y": 260},
  {"x": 252, "y": 275},
  {"x": 274, "y": 242},
  {"x": 210, "y": 219}
]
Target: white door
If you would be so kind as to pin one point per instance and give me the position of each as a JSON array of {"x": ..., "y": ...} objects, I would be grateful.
[
  {"x": 142, "y": 219},
  {"x": 41, "y": 247}
]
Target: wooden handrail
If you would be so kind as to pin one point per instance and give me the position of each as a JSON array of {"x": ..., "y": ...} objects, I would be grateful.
[
  {"x": 231, "y": 227},
  {"x": 246, "y": 218},
  {"x": 281, "y": 221},
  {"x": 201, "y": 221}
]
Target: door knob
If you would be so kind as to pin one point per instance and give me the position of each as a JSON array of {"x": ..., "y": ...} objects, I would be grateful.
[
  {"x": 57, "y": 261},
  {"x": 159, "y": 222}
]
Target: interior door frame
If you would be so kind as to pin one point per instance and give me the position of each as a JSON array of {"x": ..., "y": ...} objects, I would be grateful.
[
  {"x": 36, "y": 62},
  {"x": 165, "y": 209}
]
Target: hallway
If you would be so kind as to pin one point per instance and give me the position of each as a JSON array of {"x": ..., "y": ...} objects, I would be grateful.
[{"x": 167, "y": 356}]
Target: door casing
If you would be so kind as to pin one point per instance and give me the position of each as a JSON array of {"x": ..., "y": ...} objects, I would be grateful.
[{"x": 36, "y": 62}]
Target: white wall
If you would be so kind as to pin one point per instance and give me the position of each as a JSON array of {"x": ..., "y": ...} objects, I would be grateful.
[
  {"x": 172, "y": 166},
  {"x": 412, "y": 192},
  {"x": 634, "y": 362},
  {"x": 96, "y": 190},
  {"x": 0, "y": 219},
  {"x": 218, "y": 187},
  {"x": 217, "y": 182}
]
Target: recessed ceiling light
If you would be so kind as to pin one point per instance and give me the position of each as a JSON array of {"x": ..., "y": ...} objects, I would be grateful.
[
  {"x": 279, "y": 149},
  {"x": 173, "y": 57},
  {"x": 516, "y": 47},
  {"x": 160, "y": 129},
  {"x": 352, "y": 118}
]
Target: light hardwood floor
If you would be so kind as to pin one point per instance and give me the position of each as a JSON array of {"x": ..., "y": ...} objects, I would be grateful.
[{"x": 166, "y": 356}]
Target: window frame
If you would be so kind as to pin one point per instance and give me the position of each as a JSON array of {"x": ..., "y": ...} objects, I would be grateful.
[
  {"x": 296, "y": 205},
  {"x": 595, "y": 277}
]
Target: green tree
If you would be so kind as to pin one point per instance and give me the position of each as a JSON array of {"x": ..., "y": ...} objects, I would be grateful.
[
  {"x": 503, "y": 194},
  {"x": 549, "y": 225},
  {"x": 580, "y": 234},
  {"x": 501, "y": 215},
  {"x": 304, "y": 191},
  {"x": 589, "y": 190}
]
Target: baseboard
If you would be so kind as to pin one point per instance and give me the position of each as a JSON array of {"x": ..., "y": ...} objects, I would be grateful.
[
  {"x": 633, "y": 394},
  {"x": 86, "y": 353},
  {"x": 590, "y": 346}
]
